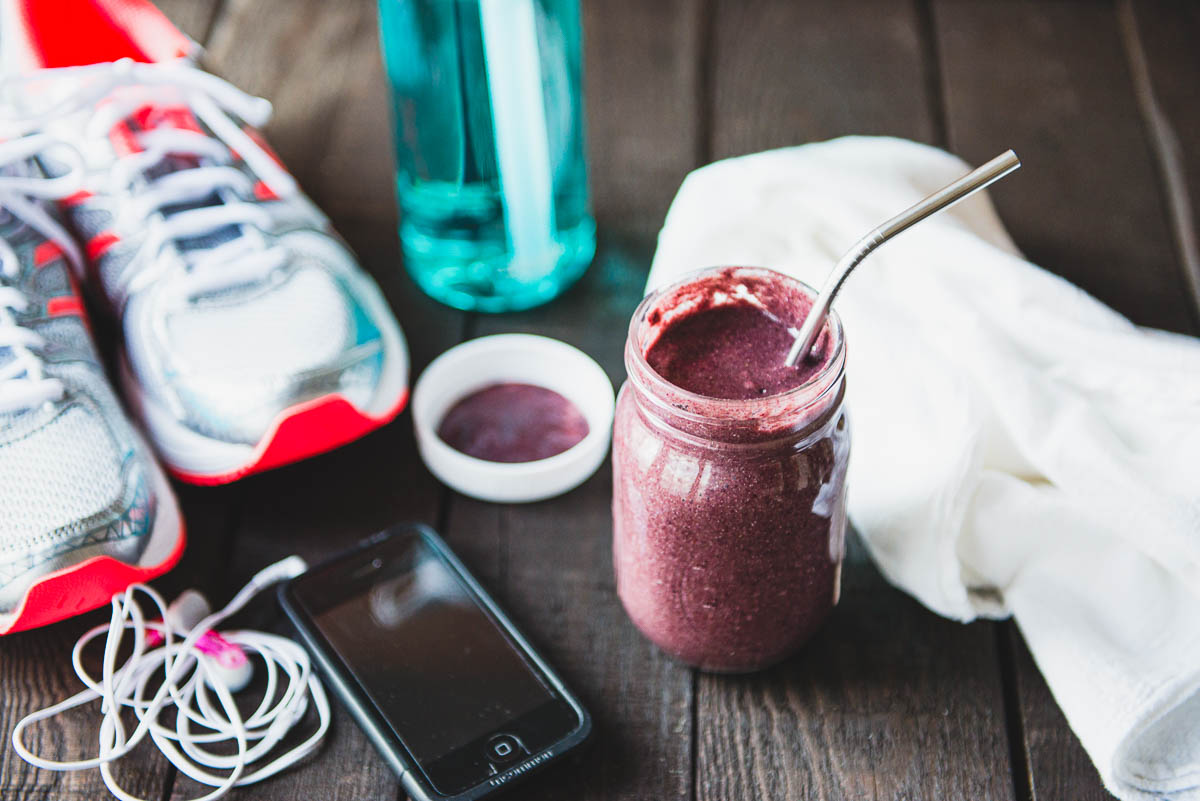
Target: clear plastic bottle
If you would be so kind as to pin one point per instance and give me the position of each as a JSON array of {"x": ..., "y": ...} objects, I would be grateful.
[{"x": 487, "y": 110}]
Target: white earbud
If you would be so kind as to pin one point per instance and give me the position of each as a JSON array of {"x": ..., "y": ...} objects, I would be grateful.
[
  {"x": 187, "y": 610},
  {"x": 226, "y": 663}
]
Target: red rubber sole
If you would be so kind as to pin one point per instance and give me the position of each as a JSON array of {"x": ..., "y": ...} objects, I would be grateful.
[
  {"x": 83, "y": 587},
  {"x": 299, "y": 432}
]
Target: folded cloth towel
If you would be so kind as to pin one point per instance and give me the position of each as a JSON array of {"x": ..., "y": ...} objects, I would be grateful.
[{"x": 1019, "y": 448}]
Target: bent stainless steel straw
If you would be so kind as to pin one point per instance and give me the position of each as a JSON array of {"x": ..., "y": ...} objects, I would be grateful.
[{"x": 945, "y": 197}]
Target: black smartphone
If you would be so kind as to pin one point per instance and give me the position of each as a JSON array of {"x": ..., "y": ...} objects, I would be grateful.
[{"x": 443, "y": 683}]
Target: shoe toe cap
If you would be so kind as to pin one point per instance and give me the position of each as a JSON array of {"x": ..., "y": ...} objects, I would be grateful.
[
  {"x": 72, "y": 490},
  {"x": 237, "y": 361}
]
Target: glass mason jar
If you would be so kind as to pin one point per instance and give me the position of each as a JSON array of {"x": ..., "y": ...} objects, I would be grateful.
[
  {"x": 488, "y": 118},
  {"x": 728, "y": 515}
]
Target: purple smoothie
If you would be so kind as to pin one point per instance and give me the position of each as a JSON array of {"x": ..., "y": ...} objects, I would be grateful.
[
  {"x": 729, "y": 471},
  {"x": 513, "y": 422},
  {"x": 729, "y": 352}
]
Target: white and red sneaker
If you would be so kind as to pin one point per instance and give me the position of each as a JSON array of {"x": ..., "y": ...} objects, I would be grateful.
[
  {"x": 84, "y": 508},
  {"x": 251, "y": 336}
]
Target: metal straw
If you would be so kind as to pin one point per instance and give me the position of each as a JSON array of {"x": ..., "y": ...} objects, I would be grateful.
[{"x": 945, "y": 197}]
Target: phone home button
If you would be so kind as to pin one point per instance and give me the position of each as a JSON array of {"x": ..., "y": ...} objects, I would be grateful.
[{"x": 503, "y": 748}]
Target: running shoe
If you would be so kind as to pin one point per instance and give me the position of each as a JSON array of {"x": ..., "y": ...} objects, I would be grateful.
[
  {"x": 84, "y": 508},
  {"x": 251, "y": 336}
]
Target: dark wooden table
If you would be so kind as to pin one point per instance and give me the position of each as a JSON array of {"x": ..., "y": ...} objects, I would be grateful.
[{"x": 888, "y": 701}]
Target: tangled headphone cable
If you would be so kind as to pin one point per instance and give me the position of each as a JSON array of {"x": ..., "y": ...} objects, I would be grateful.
[{"x": 191, "y": 675}]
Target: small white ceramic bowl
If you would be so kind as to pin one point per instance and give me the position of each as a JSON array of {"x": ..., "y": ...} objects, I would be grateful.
[{"x": 524, "y": 359}]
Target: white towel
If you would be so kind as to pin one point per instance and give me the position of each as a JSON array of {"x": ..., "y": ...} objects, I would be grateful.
[{"x": 1018, "y": 447}]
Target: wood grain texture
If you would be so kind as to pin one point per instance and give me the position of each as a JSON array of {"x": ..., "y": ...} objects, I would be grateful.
[
  {"x": 1059, "y": 768},
  {"x": 642, "y": 72},
  {"x": 35, "y": 671},
  {"x": 194, "y": 17},
  {"x": 888, "y": 701},
  {"x": 319, "y": 63},
  {"x": 789, "y": 73},
  {"x": 1160, "y": 40},
  {"x": 1087, "y": 204}
]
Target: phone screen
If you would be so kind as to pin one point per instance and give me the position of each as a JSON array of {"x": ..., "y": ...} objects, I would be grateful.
[{"x": 439, "y": 669}]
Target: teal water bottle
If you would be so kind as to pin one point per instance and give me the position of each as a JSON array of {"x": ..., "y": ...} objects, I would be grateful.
[{"x": 487, "y": 111}]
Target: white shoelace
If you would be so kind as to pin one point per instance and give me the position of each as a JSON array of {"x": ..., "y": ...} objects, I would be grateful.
[
  {"x": 23, "y": 385},
  {"x": 125, "y": 86},
  {"x": 189, "y": 678}
]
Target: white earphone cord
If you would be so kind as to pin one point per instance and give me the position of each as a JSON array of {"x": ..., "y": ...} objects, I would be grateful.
[{"x": 187, "y": 674}]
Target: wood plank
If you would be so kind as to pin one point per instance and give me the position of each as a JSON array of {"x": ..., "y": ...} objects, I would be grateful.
[
  {"x": 1160, "y": 39},
  {"x": 194, "y": 17},
  {"x": 888, "y": 700},
  {"x": 319, "y": 64},
  {"x": 35, "y": 671},
  {"x": 642, "y": 69},
  {"x": 1087, "y": 204},
  {"x": 1059, "y": 767},
  {"x": 790, "y": 73},
  {"x": 550, "y": 564},
  {"x": 210, "y": 516}
]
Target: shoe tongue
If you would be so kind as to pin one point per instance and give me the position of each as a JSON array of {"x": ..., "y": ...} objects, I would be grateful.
[
  {"x": 180, "y": 117},
  {"x": 218, "y": 236}
]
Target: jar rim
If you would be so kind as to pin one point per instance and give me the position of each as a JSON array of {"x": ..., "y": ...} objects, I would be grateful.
[{"x": 795, "y": 399}]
